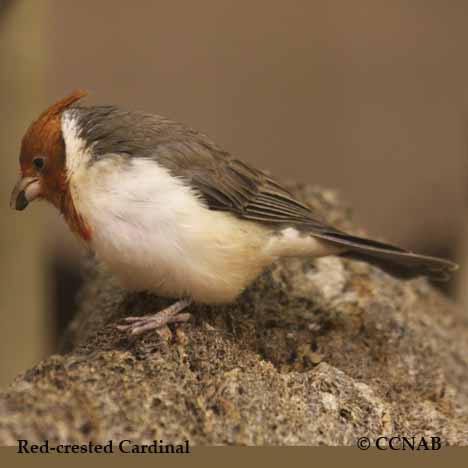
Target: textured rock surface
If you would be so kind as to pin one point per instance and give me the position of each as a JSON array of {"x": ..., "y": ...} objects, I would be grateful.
[{"x": 313, "y": 353}]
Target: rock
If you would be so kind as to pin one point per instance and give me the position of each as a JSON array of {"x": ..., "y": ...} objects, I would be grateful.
[{"x": 314, "y": 352}]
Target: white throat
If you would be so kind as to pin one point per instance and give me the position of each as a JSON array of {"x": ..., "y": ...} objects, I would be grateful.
[{"x": 76, "y": 156}]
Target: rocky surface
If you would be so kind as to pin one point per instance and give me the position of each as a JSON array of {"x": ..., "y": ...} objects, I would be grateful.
[{"x": 315, "y": 352}]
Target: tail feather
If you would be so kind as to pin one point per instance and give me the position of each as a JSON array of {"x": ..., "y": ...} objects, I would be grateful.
[{"x": 394, "y": 260}]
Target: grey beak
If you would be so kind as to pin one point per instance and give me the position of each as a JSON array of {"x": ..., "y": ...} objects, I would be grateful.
[{"x": 25, "y": 191}]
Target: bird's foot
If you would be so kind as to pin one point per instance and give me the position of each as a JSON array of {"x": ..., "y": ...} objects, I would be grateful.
[{"x": 139, "y": 325}]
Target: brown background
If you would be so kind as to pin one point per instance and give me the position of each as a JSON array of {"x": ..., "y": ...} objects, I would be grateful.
[
  {"x": 235, "y": 456},
  {"x": 369, "y": 97}
]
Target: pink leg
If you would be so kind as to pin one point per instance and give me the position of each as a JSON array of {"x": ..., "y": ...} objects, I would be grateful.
[{"x": 138, "y": 325}]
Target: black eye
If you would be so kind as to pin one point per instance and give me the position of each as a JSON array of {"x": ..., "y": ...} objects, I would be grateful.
[{"x": 38, "y": 163}]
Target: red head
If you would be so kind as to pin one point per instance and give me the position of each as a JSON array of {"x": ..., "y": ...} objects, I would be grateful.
[
  {"x": 42, "y": 157},
  {"x": 43, "y": 162}
]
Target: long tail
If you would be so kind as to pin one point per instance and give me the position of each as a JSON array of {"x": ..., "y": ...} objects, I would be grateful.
[{"x": 394, "y": 260}]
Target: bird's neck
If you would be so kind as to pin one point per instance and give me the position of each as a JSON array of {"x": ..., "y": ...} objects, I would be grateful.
[{"x": 74, "y": 219}]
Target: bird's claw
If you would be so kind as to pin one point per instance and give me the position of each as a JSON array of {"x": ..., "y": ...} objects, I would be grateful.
[{"x": 138, "y": 325}]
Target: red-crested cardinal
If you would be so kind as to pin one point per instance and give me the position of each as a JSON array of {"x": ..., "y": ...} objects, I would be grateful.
[{"x": 169, "y": 211}]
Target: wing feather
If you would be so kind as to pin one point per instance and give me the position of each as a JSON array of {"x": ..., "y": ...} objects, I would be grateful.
[{"x": 231, "y": 185}]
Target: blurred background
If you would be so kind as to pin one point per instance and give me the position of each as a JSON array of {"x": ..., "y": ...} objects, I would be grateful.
[{"x": 366, "y": 97}]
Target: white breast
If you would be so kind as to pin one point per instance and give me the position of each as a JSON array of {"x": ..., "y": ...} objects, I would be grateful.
[{"x": 154, "y": 233}]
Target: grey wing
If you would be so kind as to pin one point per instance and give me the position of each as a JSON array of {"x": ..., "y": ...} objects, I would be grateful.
[{"x": 227, "y": 184}]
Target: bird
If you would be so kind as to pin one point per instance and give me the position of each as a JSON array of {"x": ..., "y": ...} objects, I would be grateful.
[{"x": 169, "y": 211}]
